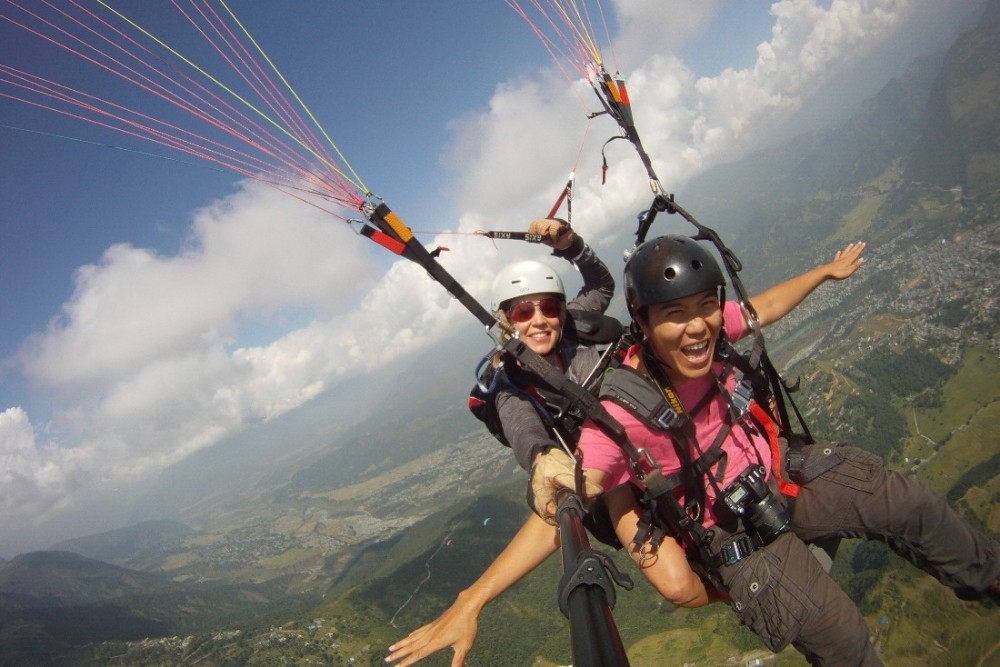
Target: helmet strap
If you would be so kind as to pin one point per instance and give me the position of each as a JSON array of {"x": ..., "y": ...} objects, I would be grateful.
[{"x": 649, "y": 355}]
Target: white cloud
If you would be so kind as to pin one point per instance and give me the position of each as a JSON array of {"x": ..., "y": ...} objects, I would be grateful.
[
  {"x": 34, "y": 479},
  {"x": 808, "y": 45},
  {"x": 249, "y": 255},
  {"x": 526, "y": 118},
  {"x": 658, "y": 26},
  {"x": 147, "y": 352}
]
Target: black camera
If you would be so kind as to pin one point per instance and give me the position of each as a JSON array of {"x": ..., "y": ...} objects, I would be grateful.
[{"x": 751, "y": 498}]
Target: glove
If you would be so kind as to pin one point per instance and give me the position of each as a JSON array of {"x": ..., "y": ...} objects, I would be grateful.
[
  {"x": 557, "y": 232},
  {"x": 552, "y": 470}
]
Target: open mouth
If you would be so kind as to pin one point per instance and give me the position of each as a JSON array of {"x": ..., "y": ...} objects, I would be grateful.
[{"x": 697, "y": 353}]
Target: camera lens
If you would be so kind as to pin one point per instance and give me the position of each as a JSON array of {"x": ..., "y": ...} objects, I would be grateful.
[{"x": 769, "y": 518}]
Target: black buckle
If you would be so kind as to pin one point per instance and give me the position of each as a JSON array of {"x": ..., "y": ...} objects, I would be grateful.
[
  {"x": 794, "y": 462},
  {"x": 736, "y": 550}
]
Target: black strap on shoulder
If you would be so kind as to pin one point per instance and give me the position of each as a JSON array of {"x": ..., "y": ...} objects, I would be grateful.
[
  {"x": 630, "y": 389},
  {"x": 587, "y": 403}
]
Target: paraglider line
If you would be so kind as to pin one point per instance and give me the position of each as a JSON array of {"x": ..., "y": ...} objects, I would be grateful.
[{"x": 159, "y": 156}]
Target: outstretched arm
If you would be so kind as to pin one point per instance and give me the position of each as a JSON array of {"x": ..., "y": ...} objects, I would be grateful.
[
  {"x": 776, "y": 302},
  {"x": 458, "y": 625}
]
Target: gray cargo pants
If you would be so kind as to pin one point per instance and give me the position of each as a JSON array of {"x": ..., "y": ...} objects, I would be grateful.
[{"x": 783, "y": 594}]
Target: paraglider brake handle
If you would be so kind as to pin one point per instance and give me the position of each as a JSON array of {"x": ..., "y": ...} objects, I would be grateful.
[{"x": 661, "y": 203}]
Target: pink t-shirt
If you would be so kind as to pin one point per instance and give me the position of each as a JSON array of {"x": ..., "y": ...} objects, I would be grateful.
[{"x": 601, "y": 453}]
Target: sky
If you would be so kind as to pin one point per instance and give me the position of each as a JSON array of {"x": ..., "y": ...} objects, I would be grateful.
[{"x": 153, "y": 307}]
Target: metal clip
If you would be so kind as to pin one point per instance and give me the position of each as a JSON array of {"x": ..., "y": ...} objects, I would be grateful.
[
  {"x": 482, "y": 369},
  {"x": 668, "y": 419},
  {"x": 647, "y": 552},
  {"x": 641, "y": 471},
  {"x": 740, "y": 401}
]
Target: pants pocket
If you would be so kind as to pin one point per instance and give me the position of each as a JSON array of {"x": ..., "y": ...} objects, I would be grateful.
[
  {"x": 768, "y": 598},
  {"x": 859, "y": 470}
]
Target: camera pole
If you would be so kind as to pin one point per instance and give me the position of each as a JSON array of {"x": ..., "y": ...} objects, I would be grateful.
[{"x": 586, "y": 591}]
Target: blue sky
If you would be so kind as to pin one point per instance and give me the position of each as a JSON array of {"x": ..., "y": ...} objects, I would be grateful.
[
  {"x": 384, "y": 77},
  {"x": 151, "y": 307}
]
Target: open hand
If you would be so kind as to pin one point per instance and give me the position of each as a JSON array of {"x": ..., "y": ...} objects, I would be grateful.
[
  {"x": 456, "y": 627},
  {"x": 846, "y": 261}
]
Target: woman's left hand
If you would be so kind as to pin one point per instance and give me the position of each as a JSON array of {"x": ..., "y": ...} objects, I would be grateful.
[{"x": 557, "y": 232}]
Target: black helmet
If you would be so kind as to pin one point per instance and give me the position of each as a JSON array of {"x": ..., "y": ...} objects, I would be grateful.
[{"x": 668, "y": 268}]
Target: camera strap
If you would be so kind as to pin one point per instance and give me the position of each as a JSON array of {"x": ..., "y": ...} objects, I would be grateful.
[
  {"x": 688, "y": 441},
  {"x": 682, "y": 434}
]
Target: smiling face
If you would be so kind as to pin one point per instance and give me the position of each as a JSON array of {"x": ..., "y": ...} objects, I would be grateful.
[
  {"x": 682, "y": 334},
  {"x": 538, "y": 320}
]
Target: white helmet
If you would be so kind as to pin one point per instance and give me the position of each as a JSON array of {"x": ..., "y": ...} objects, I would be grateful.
[{"x": 522, "y": 278}]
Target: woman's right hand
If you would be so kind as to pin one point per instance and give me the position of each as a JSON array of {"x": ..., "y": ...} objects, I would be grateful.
[
  {"x": 456, "y": 627},
  {"x": 552, "y": 470}
]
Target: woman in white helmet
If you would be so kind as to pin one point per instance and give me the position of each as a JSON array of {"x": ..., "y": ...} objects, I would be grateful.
[{"x": 530, "y": 297}]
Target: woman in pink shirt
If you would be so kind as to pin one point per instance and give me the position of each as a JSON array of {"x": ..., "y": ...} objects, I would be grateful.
[{"x": 737, "y": 525}]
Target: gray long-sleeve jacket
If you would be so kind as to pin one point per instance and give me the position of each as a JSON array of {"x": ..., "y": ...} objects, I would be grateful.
[{"x": 522, "y": 425}]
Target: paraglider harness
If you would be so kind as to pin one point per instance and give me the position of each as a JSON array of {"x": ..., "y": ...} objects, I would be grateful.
[
  {"x": 748, "y": 501},
  {"x": 758, "y": 404},
  {"x": 559, "y": 412},
  {"x": 498, "y": 372}
]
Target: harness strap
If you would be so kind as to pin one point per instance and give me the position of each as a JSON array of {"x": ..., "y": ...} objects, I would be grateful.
[
  {"x": 628, "y": 388},
  {"x": 703, "y": 464},
  {"x": 667, "y": 509},
  {"x": 766, "y": 382},
  {"x": 736, "y": 550},
  {"x": 587, "y": 403},
  {"x": 631, "y": 390},
  {"x": 771, "y": 430}
]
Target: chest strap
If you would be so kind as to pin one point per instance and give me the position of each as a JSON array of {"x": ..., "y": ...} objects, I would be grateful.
[{"x": 631, "y": 390}]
